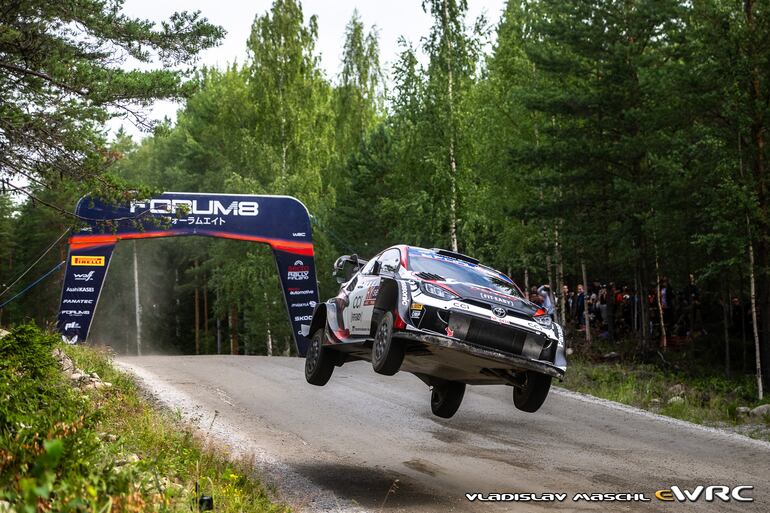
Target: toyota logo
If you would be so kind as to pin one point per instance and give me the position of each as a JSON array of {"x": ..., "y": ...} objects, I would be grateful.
[{"x": 499, "y": 311}]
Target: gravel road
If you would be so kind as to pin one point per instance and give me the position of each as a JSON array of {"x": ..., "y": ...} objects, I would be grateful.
[{"x": 369, "y": 442}]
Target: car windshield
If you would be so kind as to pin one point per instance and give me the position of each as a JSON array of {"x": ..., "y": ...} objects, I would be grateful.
[{"x": 451, "y": 269}]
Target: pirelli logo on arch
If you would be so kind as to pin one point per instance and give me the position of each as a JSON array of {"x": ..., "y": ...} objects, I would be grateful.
[{"x": 88, "y": 260}]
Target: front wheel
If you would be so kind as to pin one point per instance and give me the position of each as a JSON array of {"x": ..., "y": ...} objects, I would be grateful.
[
  {"x": 319, "y": 363},
  {"x": 531, "y": 396},
  {"x": 387, "y": 354},
  {"x": 445, "y": 399}
]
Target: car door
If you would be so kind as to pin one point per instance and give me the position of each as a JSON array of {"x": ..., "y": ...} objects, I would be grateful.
[{"x": 364, "y": 294}]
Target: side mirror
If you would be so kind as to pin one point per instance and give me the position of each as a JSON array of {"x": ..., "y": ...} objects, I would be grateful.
[{"x": 345, "y": 267}]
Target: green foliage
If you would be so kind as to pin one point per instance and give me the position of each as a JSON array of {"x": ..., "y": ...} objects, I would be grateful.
[
  {"x": 62, "y": 78},
  {"x": 54, "y": 455}
]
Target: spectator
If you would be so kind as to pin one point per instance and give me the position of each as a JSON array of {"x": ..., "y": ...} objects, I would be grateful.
[
  {"x": 580, "y": 303},
  {"x": 545, "y": 292}
]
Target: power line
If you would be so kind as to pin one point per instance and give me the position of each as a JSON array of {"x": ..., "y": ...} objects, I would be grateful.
[
  {"x": 332, "y": 234},
  {"x": 25, "y": 289},
  {"x": 35, "y": 263},
  {"x": 34, "y": 198}
]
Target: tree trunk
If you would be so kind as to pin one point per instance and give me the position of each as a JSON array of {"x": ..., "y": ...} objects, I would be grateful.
[
  {"x": 585, "y": 302},
  {"x": 452, "y": 158},
  {"x": 663, "y": 338},
  {"x": 726, "y": 322},
  {"x": 526, "y": 283},
  {"x": 757, "y": 124},
  {"x": 560, "y": 277},
  {"x": 233, "y": 321},
  {"x": 197, "y": 322},
  {"x": 754, "y": 323},
  {"x": 137, "y": 305},
  {"x": 205, "y": 313}
]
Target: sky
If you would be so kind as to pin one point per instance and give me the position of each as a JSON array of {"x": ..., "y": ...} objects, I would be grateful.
[{"x": 392, "y": 18}]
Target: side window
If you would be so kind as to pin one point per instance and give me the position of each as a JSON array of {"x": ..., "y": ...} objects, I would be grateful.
[{"x": 390, "y": 260}]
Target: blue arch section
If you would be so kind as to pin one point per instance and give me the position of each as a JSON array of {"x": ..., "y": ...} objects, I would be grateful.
[{"x": 282, "y": 222}]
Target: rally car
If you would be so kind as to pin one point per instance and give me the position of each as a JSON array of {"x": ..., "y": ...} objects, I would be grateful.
[{"x": 443, "y": 317}]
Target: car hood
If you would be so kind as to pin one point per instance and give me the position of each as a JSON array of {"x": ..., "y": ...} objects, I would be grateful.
[{"x": 492, "y": 297}]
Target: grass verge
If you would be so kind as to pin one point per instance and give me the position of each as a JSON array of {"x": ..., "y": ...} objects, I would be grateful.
[
  {"x": 107, "y": 449},
  {"x": 694, "y": 396}
]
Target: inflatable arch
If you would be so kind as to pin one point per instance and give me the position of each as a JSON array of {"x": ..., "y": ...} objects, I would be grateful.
[{"x": 282, "y": 222}]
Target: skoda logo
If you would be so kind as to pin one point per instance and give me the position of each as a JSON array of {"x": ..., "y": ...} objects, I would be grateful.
[{"x": 499, "y": 311}]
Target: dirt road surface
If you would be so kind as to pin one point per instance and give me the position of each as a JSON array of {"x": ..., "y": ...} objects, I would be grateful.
[{"x": 369, "y": 442}]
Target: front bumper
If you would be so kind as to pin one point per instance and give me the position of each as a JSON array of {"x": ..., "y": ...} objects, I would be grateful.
[{"x": 495, "y": 358}]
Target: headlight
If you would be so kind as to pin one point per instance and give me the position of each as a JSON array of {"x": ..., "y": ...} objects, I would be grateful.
[
  {"x": 436, "y": 291},
  {"x": 544, "y": 320}
]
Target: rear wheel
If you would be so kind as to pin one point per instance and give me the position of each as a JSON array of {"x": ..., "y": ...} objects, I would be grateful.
[
  {"x": 387, "y": 354},
  {"x": 319, "y": 361},
  {"x": 531, "y": 396},
  {"x": 445, "y": 399}
]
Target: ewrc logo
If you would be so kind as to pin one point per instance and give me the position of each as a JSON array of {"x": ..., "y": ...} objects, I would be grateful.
[
  {"x": 198, "y": 207},
  {"x": 299, "y": 271},
  {"x": 84, "y": 277}
]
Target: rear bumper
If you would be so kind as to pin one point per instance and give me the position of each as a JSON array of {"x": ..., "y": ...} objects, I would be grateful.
[{"x": 497, "y": 359}]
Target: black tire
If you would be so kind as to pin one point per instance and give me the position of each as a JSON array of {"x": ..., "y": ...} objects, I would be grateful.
[
  {"x": 446, "y": 398},
  {"x": 319, "y": 361},
  {"x": 387, "y": 354},
  {"x": 532, "y": 396}
]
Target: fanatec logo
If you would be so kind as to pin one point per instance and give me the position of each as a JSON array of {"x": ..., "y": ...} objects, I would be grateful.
[
  {"x": 78, "y": 301},
  {"x": 198, "y": 207},
  {"x": 85, "y": 276}
]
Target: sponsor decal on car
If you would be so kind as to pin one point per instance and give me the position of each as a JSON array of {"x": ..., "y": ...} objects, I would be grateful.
[
  {"x": 88, "y": 260},
  {"x": 298, "y": 234},
  {"x": 303, "y": 317},
  {"x": 371, "y": 295},
  {"x": 496, "y": 298},
  {"x": 299, "y": 271}
]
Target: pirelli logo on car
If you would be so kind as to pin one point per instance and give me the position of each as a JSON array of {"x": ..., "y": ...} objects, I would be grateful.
[{"x": 88, "y": 260}]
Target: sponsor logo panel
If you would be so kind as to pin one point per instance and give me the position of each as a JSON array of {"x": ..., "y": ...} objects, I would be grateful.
[
  {"x": 298, "y": 272},
  {"x": 88, "y": 260}
]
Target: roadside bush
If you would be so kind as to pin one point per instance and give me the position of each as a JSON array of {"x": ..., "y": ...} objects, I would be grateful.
[{"x": 49, "y": 455}]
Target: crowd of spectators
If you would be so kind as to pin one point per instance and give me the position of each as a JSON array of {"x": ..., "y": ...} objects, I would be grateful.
[{"x": 618, "y": 311}]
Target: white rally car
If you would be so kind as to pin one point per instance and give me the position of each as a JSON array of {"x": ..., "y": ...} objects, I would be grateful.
[{"x": 443, "y": 317}]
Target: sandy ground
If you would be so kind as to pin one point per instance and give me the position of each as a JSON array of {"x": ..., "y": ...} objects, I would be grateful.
[{"x": 369, "y": 442}]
